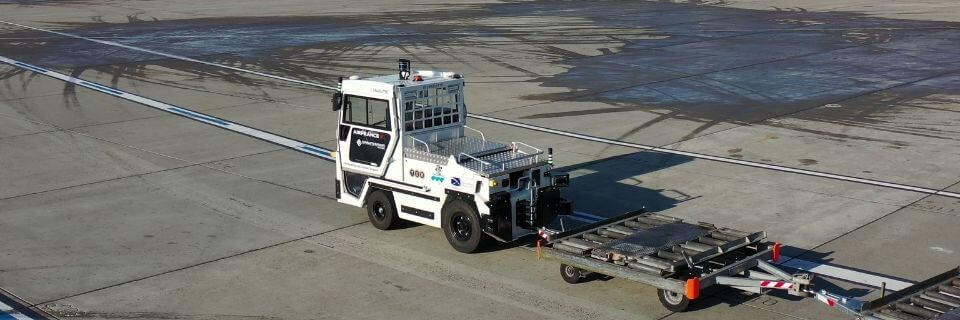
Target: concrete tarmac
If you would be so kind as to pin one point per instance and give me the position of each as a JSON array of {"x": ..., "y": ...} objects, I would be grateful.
[{"x": 112, "y": 210}]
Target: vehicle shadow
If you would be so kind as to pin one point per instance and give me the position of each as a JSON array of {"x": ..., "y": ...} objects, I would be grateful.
[{"x": 610, "y": 187}]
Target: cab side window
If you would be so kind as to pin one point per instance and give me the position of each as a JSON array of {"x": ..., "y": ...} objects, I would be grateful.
[{"x": 367, "y": 112}]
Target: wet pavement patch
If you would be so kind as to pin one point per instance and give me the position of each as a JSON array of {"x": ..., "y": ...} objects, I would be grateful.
[{"x": 712, "y": 64}]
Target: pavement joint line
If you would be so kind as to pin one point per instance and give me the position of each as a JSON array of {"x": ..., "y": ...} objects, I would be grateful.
[
  {"x": 567, "y": 133},
  {"x": 191, "y": 266},
  {"x": 816, "y": 106},
  {"x": 774, "y": 311},
  {"x": 786, "y": 261},
  {"x": 304, "y": 147},
  {"x": 814, "y": 173},
  {"x": 189, "y": 164},
  {"x": 10, "y": 308},
  {"x": 680, "y": 77},
  {"x": 178, "y": 57},
  {"x": 136, "y": 119}
]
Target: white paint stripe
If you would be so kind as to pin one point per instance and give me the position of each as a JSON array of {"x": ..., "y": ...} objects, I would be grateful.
[
  {"x": 8, "y": 310},
  {"x": 211, "y": 120},
  {"x": 722, "y": 159},
  {"x": 542, "y": 129},
  {"x": 844, "y": 274},
  {"x": 173, "y": 56}
]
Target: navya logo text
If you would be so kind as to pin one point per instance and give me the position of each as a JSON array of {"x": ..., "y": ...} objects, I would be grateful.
[
  {"x": 455, "y": 182},
  {"x": 437, "y": 176}
]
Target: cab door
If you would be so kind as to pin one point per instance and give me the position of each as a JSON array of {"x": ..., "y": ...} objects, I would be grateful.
[{"x": 366, "y": 137}]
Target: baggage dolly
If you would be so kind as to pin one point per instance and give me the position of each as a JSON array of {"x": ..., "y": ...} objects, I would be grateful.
[{"x": 678, "y": 258}]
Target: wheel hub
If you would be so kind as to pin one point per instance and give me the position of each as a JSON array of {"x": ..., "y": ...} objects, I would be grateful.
[
  {"x": 461, "y": 227},
  {"x": 379, "y": 211},
  {"x": 673, "y": 297}
]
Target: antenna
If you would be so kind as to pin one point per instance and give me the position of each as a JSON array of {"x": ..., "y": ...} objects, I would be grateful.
[{"x": 404, "y": 66}]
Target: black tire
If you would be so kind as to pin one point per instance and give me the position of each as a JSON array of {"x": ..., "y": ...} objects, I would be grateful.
[
  {"x": 461, "y": 225},
  {"x": 676, "y": 302},
  {"x": 381, "y": 210},
  {"x": 571, "y": 274}
]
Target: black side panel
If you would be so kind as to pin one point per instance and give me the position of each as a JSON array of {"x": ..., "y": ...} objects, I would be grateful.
[
  {"x": 353, "y": 183},
  {"x": 499, "y": 223},
  {"x": 416, "y": 212},
  {"x": 451, "y": 194}
]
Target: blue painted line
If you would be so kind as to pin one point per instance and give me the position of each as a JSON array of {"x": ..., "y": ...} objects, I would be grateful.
[
  {"x": 5, "y": 316},
  {"x": 318, "y": 151},
  {"x": 31, "y": 67},
  {"x": 584, "y": 217},
  {"x": 200, "y": 117},
  {"x": 102, "y": 88}
]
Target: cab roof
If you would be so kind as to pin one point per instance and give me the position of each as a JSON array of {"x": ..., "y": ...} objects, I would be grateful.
[{"x": 429, "y": 77}]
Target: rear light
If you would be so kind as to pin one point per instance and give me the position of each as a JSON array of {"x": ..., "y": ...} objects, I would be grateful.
[
  {"x": 692, "y": 288},
  {"x": 775, "y": 252}
]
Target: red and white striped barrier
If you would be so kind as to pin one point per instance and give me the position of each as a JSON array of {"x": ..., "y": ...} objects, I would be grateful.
[{"x": 776, "y": 284}]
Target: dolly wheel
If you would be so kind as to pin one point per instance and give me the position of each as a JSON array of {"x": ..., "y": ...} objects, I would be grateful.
[
  {"x": 571, "y": 274},
  {"x": 676, "y": 302}
]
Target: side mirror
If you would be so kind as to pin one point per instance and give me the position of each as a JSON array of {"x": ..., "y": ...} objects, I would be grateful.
[{"x": 337, "y": 101}]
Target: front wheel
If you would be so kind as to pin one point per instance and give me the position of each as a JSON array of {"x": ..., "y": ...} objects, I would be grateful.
[
  {"x": 461, "y": 225},
  {"x": 676, "y": 302},
  {"x": 380, "y": 210}
]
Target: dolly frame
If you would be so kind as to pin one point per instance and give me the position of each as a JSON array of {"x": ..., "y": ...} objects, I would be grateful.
[{"x": 752, "y": 272}]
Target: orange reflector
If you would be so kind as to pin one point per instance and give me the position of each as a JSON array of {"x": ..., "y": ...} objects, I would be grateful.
[
  {"x": 417, "y": 78},
  {"x": 775, "y": 252},
  {"x": 539, "y": 253},
  {"x": 692, "y": 288}
]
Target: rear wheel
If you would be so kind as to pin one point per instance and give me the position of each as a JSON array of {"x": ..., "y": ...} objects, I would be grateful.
[
  {"x": 571, "y": 274},
  {"x": 676, "y": 302},
  {"x": 461, "y": 225},
  {"x": 380, "y": 209}
]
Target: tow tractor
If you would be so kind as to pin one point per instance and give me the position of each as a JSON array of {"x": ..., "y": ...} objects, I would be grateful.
[{"x": 405, "y": 152}]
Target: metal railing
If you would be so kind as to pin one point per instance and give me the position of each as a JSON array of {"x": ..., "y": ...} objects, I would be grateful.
[
  {"x": 415, "y": 140},
  {"x": 516, "y": 148},
  {"x": 482, "y": 163},
  {"x": 482, "y": 136}
]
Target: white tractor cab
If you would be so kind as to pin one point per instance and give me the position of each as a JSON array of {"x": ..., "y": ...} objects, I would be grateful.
[{"x": 405, "y": 152}]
